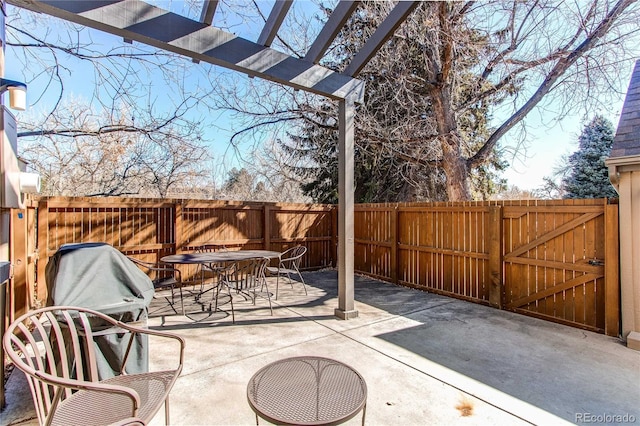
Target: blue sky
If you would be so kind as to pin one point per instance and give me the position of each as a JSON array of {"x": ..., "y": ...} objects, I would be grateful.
[{"x": 547, "y": 142}]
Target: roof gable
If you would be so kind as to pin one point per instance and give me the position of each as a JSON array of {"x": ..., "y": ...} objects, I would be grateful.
[{"x": 627, "y": 139}]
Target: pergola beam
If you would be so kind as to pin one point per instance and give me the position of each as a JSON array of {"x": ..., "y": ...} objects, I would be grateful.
[
  {"x": 276, "y": 17},
  {"x": 145, "y": 23},
  {"x": 330, "y": 31},
  {"x": 208, "y": 10},
  {"x": 383, "y": 33},
  {"x": 206, "y": 16}
]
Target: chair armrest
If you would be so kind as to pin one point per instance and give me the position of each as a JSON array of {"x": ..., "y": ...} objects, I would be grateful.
[
  {"x": 92, "y": 386},
  {"x": 148, "y": 331},
  {"x": 154, "y": 266}
]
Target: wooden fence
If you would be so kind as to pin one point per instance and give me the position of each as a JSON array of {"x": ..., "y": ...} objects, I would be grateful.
[
  {"x": 152, "y": 228},
  {"x": 23, "y": 255},
  {"x": 556, "y": 260},
  {"x": 553, "y": 259}
]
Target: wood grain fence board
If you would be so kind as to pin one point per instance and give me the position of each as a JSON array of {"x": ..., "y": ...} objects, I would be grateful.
[
  {"x": 601, "y": 254},
  {"x": 445, "y": 242},
  {"x": 611, "y": 291},
  {"x": 43, "y": 245},
  {"x": 581, "y": 300},
  {"x": 514, "y": 274},
  {"x": 545, "y": 267},
  {"x": 568, "y": 296},
  {"x": 578, "y": 291},
  {"x": 587, "y": 312},
  {"x": 444, "y": 252},
  {"x": 538, "y": 225},
  {"x": 493, "y": 229},
  {"x": 18, "y": 296},
  {"x": 558, "y": 273},
  {"x": 530, "y": 231},
  {"x": 583, "y": 266}
]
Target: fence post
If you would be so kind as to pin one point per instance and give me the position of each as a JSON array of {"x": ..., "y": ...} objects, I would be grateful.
[
  {"x": 19, "y": 297},
  {"x": 334, "y": 236},
  {"x": 43, "y": 246},
  {"x": 495, "y": 256},
  {"x": 266, "y": 228},
  {"x": 394, "y": 244},
  {"x": 177, "y": 225},
  {"x": 611, "y": 270}
]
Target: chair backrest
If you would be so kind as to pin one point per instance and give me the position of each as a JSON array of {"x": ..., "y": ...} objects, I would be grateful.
[
  {"x": 293, "y": 256},
  {"x": 144, "y": 264},
  {"x": 211, "y": 248},
  {"x": 162, "y": 275},
  {"x": 249, "y": 274},
  {"x": 55, "y": 343}
]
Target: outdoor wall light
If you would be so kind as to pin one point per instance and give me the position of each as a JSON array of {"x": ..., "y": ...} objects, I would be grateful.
[{"x": 17, "y": 93}]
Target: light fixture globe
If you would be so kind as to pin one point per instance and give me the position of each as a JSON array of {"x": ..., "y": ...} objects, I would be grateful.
[{"x": 17, "y": 93}]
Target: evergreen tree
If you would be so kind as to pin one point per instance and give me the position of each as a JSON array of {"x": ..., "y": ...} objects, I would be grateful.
[
  {"x": 588, "y": 176},
  {"x": 398, "y": 154}
]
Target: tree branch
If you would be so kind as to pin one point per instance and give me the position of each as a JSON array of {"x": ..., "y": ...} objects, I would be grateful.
[{"x": 545, "y": 87}]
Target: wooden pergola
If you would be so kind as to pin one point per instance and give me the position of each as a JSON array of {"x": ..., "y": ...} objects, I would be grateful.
[{"x": 200, "y": 40}]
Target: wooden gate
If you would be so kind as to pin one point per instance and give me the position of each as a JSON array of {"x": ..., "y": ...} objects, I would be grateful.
[{"x": 554, "y": 263}]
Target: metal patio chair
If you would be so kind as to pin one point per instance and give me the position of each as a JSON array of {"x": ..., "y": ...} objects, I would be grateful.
[
  {"x": 164, "y": 277},
  {"x": 55, "y": 348},
  {"x": 246, "y": 278},
  {"x": 288, "y": 264},
  {"x": 213, "y": 270}
]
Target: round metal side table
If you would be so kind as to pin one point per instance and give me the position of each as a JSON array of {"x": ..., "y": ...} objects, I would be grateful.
[{"x": 307, "y": 390}]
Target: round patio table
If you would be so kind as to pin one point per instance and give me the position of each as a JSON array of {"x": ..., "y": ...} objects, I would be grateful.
[
  {"x": 307, "y": 390},
  {"x": 218, "y": 256}
]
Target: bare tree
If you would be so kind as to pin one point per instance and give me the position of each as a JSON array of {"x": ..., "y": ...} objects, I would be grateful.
[
  {"x": 442, "y": 94},
  {"x": 89, "y": 153},
  {"x": 515, "y": 193},
  {"x": 136, "y": 131},
  {"x": 272, "y": 165},
  {"x": 550, "y": 189},
  {"x": 454, "y": 81}
]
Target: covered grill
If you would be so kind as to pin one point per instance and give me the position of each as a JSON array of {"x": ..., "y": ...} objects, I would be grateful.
[{"x": 99, "y": 277}]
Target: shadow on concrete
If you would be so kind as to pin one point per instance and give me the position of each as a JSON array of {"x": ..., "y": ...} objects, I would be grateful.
[{"x": 563, "y": 370}]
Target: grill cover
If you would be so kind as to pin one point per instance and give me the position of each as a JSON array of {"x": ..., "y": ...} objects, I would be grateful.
[{"x": 99, "y": 277}]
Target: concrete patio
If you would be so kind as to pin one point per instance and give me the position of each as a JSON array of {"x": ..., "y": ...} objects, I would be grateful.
[{"x": 427, "y": 360}]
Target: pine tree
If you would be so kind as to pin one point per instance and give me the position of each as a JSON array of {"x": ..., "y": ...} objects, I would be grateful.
[{"x": 588, "y": 176}]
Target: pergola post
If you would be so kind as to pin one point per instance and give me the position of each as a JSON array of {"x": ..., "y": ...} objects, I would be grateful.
[{"x": 346, "y": 112}]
